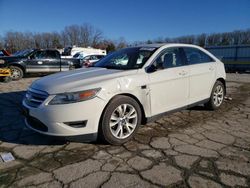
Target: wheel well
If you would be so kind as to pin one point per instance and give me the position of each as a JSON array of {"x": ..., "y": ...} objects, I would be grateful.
[
  {"x": 143, "y": 116},
  {"x": 19, "y": 66},
  {"x": 222, "y": 80},
  {"x": 143, "y": 120}
]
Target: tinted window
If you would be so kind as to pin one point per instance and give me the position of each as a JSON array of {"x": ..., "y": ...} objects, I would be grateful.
[
  {"x": 100, "y": 56},
  {"x": 170, "y": 57},
  {"x": 76, "y": 55},
  {"x": 38, "y": 55},
  {"x": 23, "y": 53},
  {"x": 86, "y": 58},
  {"x": 93, "y": 57},
  {"x": 52, "y": 54},
  {"x": 46, "y": 55},
  {"x": 196, "y": 56}
]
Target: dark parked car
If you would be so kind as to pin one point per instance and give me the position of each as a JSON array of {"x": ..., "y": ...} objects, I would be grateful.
[{"x": 36, "y": 61}]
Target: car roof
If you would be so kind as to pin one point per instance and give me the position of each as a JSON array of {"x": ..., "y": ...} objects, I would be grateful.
[
  {"x": 155, "y": 45},
  {"x": 158, "y": 45}
]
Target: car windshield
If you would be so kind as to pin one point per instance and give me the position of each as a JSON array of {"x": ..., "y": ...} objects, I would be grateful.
[
  {"x": 128, "y": 58},
  {"x": 22, "y": 53},
  {"x": 76, "y": 55}
]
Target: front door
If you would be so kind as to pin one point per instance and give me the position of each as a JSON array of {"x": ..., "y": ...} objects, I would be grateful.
[
  {"x": 169, "y": 84},
  {"x": 43, "y": 61},
  {"x": 35, "y": 62}
]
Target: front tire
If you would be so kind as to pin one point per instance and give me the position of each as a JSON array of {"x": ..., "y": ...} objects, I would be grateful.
[
  {"x": 120, "y": 120},
  {"x": 16, "y": 73},
  {"x": 217, "y": 96}
]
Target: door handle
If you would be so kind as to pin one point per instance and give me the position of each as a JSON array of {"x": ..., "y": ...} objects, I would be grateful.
[
  {"x": 211, "y": 68},
  {"x": 182, "y": 73}
]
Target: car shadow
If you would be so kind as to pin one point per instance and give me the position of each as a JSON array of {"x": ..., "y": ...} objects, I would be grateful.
[
  {"x": 12, "y": 126},
  {"x": 198, "y": 108}
]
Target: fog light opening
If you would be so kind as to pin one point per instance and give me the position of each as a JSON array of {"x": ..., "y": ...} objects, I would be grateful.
[{"x": 77, "y": 124}]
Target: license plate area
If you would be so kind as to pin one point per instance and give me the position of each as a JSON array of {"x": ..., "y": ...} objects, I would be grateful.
[{"x": 25, "y": 112}]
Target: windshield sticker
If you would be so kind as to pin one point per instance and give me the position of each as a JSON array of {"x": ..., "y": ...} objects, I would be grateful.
[{"x": 147, "y": 49}]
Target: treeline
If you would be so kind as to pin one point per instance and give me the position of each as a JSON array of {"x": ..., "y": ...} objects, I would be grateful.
[
  {"x": 80, "y": 35},
  {"x": 86, "y": 35},
  {"x": 238, "y": 37}
]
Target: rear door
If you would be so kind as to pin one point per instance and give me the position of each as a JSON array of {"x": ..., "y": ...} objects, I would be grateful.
[
  {"x": 169, "y": 84},
  {"x": 202, "y": 74},
  {"x": 52, "y": 61}
]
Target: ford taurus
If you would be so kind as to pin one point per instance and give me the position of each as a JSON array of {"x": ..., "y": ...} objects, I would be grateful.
[{"x": 123, "y": 90}]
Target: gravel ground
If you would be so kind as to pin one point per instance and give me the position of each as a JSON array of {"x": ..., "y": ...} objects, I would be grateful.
[{"x": 191, "y": 148}]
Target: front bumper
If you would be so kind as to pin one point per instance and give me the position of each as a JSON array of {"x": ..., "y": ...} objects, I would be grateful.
[{"x": 54, "y": 120}]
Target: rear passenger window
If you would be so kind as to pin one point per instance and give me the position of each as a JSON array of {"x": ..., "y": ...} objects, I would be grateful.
[
  {"x": 86, "y": 58},
  {"x": 93, "y": 57},
  {"x": 52, "y": 55},
  {"x": 196, "y": 56}
]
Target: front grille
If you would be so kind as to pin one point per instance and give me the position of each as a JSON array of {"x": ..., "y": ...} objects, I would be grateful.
[
  {"x": 36, "y": 124},
  {"x": 35, "y": 98}
]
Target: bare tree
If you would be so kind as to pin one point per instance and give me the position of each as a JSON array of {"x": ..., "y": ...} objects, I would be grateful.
[
  {"x": 72, "y": 33},
  {"x": 106, "y": 44},
  {"x": 159, "y": 40},
  {"x": 245, "y": 37},
  {"x": 1, "y": 42},
  {"x": 12, "y": 41},
  {"x": 55, "y": 37},
  {"x": 97, "y": 37},
  {"x": 86, "y": 35},
  {"x": 190, "y": 39},
  {"x": 37, "y": 40},
  {"x": 201, "y": 39},
  {"x": 121, "y": 43},
  {"x": 64, "y": 39}
]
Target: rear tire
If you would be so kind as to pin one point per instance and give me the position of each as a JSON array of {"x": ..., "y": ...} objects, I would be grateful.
[
  {"x": 120, "y": 120},
  {"x": 16, "y": 73},
  {"x": 216, "y": 97}
]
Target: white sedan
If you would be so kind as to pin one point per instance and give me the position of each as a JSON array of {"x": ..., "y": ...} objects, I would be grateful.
[{"x": 123, "y": 90}]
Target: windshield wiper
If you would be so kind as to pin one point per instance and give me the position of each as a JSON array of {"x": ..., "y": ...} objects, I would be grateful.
[{"x": 111, "y": 67}]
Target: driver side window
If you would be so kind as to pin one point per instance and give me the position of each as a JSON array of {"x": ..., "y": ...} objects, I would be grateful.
[
  {"x": 169, "y": 58},
  {"x": 37, "y": 55}
]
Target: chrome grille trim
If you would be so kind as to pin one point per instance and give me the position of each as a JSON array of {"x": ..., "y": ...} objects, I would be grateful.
[{"x": 35, "y": 98}]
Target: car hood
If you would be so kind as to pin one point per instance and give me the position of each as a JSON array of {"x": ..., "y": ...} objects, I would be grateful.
[
  {"x": 70, "y": 81},
  {"x": 11, "y": 58}
]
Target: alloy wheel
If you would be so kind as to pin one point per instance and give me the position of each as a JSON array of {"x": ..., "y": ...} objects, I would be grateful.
[
  {"x": 218, "y": 95},
  {"x": 15, "y": 73},
  {"x": 123, "y": 121}
]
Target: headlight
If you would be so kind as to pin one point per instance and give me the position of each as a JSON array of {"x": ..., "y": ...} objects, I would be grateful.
[
  {"x": 67, "y": 98},
  {"x": 2, "y": 61}
]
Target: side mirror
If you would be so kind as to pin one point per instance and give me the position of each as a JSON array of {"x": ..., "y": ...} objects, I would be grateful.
[{"x": 152, "y": 68}]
